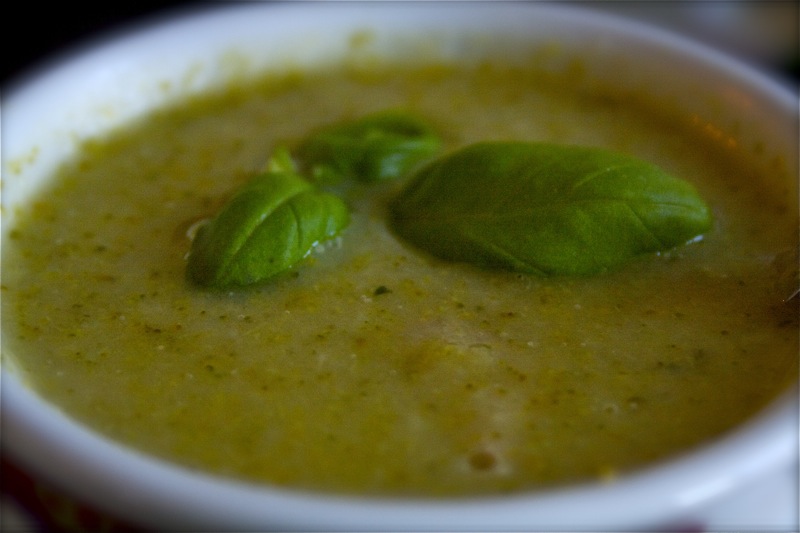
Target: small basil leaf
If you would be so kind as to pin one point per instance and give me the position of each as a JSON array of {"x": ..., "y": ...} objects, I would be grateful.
[
  {"x": 270, "y": 224},
  {"x": 546, "y": 209},
  {"x": 281, "y": 161},
  {"x": 373, "y": 148}
]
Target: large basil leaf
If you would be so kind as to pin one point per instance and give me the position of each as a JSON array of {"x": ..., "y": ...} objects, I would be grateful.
[
  {"x": 546, "y": 209},
  {"x": 376, "y": 147},
  {"x": 269, "y": 225}
]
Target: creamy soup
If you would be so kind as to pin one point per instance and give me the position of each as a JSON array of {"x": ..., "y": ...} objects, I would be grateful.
[{"x": 374, "y": 368}]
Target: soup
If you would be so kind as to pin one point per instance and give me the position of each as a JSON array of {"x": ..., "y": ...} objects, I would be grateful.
[{"x": 372, "y": 367}]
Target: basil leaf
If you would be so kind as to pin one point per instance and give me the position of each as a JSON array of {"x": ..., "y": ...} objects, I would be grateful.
[
  {"x": 281, "y": 161},
  {"x": 270, "y": 224},
  {"x": 374, "y": 148},
  {"x": 546, "y": 209}
]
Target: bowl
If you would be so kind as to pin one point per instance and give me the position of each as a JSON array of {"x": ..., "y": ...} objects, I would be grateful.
[{"x": 117, "y": 79}]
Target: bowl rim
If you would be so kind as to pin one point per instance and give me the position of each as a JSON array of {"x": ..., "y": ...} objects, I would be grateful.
[{"x": 146, "y": 490}]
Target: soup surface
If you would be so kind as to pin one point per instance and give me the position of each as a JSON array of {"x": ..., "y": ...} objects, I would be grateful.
[{"x": 372, "y": 367}]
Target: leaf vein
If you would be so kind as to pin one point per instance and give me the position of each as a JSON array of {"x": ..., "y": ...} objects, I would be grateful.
[
  {"x": 598, "y": 173},
  {"x": 299, "y": 225}
]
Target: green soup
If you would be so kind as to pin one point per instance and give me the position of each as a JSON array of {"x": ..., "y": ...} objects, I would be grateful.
[{"x": 371, "y": 367}]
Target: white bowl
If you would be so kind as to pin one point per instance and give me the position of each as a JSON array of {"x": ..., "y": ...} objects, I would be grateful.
[{"x": 117, "y": 79}]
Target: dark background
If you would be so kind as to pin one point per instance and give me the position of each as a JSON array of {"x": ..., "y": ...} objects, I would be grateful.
[{"x": 35, "y": 32}]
